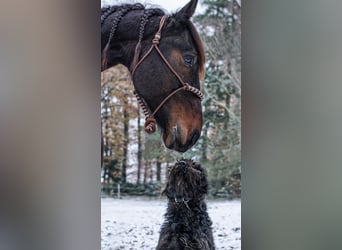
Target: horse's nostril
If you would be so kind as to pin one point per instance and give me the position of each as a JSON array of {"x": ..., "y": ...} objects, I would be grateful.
[
  {"x": 194, "y": 137},
  {"x": 179, "y": 142}
]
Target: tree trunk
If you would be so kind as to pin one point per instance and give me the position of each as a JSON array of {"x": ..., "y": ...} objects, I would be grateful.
[
  {"x": 158, "y": 170},
  {"x": 167, "y": 171},
  {"x": 145, "y": 172},
  {"x": 139, "y": 150},
  {"x": 205, "y": 142},
  {"x": 151, "y": 170},
  {"x": 126, "y": 140},
  {"x": 105, "y": 175},
  {"x": 225, "y": 125}
]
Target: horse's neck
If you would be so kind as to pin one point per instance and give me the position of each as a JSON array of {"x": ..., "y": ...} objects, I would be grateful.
[
  {"x": 119, "y": 54},
  {"x": 121, "y": 50}
]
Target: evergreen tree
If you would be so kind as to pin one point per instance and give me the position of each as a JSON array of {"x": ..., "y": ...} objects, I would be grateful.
[{"x": 219, "y": 147}]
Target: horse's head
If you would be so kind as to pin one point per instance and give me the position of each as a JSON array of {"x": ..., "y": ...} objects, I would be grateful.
[{"x": 180, "y": 117}]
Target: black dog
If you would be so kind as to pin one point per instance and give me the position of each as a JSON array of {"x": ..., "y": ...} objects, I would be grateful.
[{"x": 187, "y": 224}]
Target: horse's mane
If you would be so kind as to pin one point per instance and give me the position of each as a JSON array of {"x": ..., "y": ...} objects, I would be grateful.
[
  {"x": 200, "y": 48},
  {"x": 108, "y": 10},
  {"x": 124, "y": 8},
  {"x": 131, "y": 6}
]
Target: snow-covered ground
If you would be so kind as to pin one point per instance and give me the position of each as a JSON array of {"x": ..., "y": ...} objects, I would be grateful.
[{"x": 134, "y": 223}]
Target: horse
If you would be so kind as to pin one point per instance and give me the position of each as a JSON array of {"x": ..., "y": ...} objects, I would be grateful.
[{"x": 165, "y": 57}]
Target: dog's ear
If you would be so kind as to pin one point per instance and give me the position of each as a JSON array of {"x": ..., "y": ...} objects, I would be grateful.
[
  {"x": 166, "y": 191},
  {"x": 196, "y": 165},
  {"x": 204, "y": 182}
]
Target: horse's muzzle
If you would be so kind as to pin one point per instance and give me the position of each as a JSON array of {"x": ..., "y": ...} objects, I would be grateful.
[{"x": 179, "y": 140}]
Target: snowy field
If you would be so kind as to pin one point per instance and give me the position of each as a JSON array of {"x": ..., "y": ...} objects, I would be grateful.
[{"x": 134, "y": 223}]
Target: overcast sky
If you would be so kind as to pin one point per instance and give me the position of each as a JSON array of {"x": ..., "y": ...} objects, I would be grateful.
[{"x": 169, "y": 5}]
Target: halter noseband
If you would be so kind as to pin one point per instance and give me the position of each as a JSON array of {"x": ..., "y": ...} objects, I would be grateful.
[{"x": 150, "y": 123}]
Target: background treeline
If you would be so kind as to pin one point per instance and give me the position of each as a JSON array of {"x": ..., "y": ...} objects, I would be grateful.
[{"x": 139, "y": 162}]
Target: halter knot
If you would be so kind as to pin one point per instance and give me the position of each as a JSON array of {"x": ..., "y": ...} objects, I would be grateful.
[
  {"x": 156, "y": 39},
  {"x": 194, "y": 90},
  {"x": 150, "y": 125}
]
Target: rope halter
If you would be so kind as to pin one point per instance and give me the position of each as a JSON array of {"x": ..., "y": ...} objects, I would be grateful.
[{"x": 150, "y": 122}]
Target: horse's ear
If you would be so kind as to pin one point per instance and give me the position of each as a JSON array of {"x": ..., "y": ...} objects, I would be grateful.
[{"x": 187, "y": 11}]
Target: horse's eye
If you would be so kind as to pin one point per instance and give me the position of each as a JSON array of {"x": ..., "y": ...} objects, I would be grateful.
[{"x": 189, "y": 61}]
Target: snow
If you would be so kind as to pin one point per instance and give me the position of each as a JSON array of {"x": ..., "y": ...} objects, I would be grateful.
[{"x": 134, "y": 223}]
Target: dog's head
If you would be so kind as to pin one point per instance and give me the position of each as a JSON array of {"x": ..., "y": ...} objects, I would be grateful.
[{"x": 187, "y": 181}]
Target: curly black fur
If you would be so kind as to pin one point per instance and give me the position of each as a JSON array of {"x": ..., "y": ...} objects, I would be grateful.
[{"x": 187, "y": 224}]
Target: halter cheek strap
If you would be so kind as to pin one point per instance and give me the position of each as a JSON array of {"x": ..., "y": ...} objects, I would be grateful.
[{"x": 150, "y": 123}]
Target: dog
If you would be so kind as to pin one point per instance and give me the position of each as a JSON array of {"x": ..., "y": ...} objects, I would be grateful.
[{"x": 187, "y": 225}]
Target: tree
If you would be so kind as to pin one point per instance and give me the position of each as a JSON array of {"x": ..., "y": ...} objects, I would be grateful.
[
  {"x": 139, "y": 153},
  {"x": 219, "y": 147},
  {"x": 118, "y": 108}
]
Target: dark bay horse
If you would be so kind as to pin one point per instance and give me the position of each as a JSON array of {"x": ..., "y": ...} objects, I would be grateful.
[{"x": 165, "y": 57}]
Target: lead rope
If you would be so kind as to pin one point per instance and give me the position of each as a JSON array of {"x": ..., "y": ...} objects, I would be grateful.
[{"x": 150, "y": 121}]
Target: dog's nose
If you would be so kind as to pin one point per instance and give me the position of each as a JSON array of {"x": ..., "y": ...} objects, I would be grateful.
[{"x": 182, "y": 163}]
